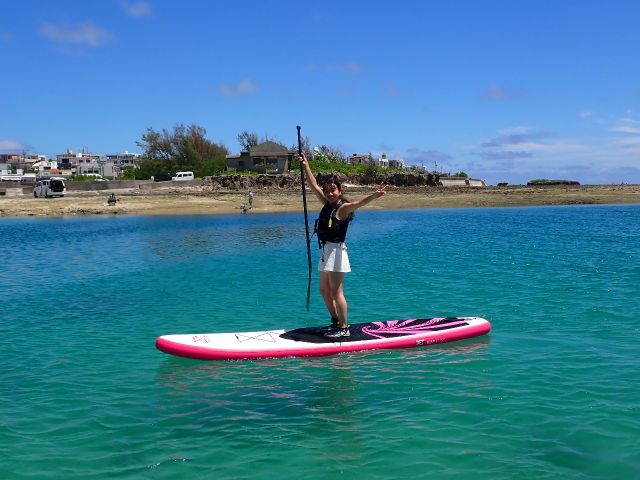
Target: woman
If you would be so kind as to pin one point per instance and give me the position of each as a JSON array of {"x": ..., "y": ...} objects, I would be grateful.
[{"x": 331, "y": 227}]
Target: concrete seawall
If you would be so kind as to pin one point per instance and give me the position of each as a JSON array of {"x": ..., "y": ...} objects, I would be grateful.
[
  {"x": 282, "y": 182},
  {"x": 10, "y": 189}
]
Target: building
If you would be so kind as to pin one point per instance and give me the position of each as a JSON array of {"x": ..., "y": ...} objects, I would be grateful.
[
  {"x": 396, "y": 163},
  {"x": 47, "y": 167},
  {"x": 119, "y": 161},
  {"x": 83, "y": 163},
  {"x": 125, "y": 159},
  {"x": 360, "y": 159},
  {"x": 9, "y": 158},
  {"x": 385, "y": 162},
  {"x": 266, "y": 157},
  {"x": 21, "y": 161},
  {"x": 461, "y": 182},
  {"x": 80, "y": 163}
]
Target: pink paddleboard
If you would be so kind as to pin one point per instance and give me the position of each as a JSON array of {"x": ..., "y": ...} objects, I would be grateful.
[{"x": 310, "y": 341}]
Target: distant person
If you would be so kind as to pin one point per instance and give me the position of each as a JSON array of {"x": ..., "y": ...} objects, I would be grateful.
[
  {"x": 112, "y": 199},
  {"x": 250, "y": 199},
  {"x": 331, "y": 228},
  {"x": 243, "y": 207}
]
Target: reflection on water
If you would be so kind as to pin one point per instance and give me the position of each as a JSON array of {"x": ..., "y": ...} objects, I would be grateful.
[
  {"x": 182, "y": 244},
  {"x": 270, "y": 235},
  {"x": 558, "y": 374},
  {"x": 322, "y": 387},
  {"x": 332, "y": 403}
]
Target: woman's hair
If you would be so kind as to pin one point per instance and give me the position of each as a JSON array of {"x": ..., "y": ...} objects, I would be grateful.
[
  {"x": 329, "y": 179},
  {"x": 333, "y": 178}
]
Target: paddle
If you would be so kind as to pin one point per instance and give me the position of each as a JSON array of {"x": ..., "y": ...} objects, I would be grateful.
[{"x": 306, "y": 220}]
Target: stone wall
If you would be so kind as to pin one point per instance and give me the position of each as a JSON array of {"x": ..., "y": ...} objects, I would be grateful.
[{"x": 292, "y": 181}]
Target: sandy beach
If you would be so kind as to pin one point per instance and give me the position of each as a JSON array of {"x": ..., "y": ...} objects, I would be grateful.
[{"x": 202, "y": 200}]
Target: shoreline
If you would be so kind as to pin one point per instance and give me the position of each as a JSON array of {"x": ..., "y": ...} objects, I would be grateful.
[{"x": 203, "y": 200}]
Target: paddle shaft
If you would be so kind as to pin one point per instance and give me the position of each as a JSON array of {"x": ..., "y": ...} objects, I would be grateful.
[{"x": 306, "y": 218}]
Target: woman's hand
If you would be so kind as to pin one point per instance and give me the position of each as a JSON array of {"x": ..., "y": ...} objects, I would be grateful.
[
  {"x": 312, "y": 180},
  {"x": 348, "y": 208},
  {"x": 381, "y": 190}
]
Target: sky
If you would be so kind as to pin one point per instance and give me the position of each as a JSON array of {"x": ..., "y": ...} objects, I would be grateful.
[{"x": 506, "y": 91}]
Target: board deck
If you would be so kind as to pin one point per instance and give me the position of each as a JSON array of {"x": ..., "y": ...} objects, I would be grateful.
[{"x": 310, "y": 341}]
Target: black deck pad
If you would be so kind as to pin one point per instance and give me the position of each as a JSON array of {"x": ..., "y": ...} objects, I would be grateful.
[{"x": 376, "y": 330}]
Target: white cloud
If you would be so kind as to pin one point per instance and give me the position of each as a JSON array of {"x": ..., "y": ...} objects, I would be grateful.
[
  {"x": 136, "y": 9},
  {"x": 629, "y": 138},
  {"x": 521, "y": 129},
  {"x": 518, "y": 147},
  {"x": 494, "y": 92},
  {"x": 626, "y": 129},
  {"x": 11, "y": 146},
  {"x": 244, "y": 87},
  {"x": 426, "y": 158},
  {"x": 498, "y": 93},
  {"x": 531, "y": 139},
  {"x": 629, "y": 143},
  {"x": 523, "y": 153},
  {"x": 626, "y": 125},
  {"x": 85, "y": 34}
]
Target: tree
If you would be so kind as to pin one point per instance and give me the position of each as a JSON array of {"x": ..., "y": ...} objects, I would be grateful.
[
  {"x": 128, "y": 173},
  {"x": 157, "y": 145},
  {"x": 306, "y": 148},
  {"x": 247, "y": 140},
  {"x": 186, "y": 148},
  {"x": 330, "y": 153}
]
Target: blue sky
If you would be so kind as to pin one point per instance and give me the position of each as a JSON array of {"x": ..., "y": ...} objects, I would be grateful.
[{"x": 504, "y": 90}]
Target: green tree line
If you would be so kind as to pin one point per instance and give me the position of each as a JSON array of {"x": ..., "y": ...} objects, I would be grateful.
[{"x": 186, "y": 148}]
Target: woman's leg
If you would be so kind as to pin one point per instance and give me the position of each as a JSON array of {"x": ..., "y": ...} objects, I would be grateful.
[
  {"x": 331, "y": 288},
  {"x": 325, "y": 291}
]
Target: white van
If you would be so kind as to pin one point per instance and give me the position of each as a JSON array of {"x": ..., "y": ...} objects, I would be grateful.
[
  {"x": 183, "y": 176},
  {"x": 51, "y": 187},
  {"x": 10, "y": 177},
  {"x": 28, "y": 178},
  {"x": 94, "y": 176}
]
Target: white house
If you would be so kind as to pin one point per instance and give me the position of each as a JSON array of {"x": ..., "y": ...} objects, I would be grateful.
[{"x": 385, "y": 162}]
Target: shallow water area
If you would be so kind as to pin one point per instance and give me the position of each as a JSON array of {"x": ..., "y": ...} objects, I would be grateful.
[{"x": 552, "y": 392}]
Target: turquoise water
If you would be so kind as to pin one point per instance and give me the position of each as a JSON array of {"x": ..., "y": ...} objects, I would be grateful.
[{"x": 553, "y": 392}]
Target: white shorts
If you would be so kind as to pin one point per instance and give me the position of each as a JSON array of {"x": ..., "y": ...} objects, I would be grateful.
[{"x": 334, "y": 258}]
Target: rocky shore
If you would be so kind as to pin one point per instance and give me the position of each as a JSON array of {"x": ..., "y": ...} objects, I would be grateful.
[
  {"x": 292, "y": 181},
  {"x": 225, "y": 195}
]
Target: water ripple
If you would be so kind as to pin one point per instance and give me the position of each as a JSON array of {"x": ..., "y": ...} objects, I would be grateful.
[{"x": 551, "y": 393}]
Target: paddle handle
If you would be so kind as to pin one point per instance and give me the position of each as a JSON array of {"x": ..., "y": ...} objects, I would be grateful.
[{"x": 306, "y": 217}]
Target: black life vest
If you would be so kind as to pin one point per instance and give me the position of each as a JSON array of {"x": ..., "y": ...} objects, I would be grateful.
[{"x": 328, "y": 227}]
